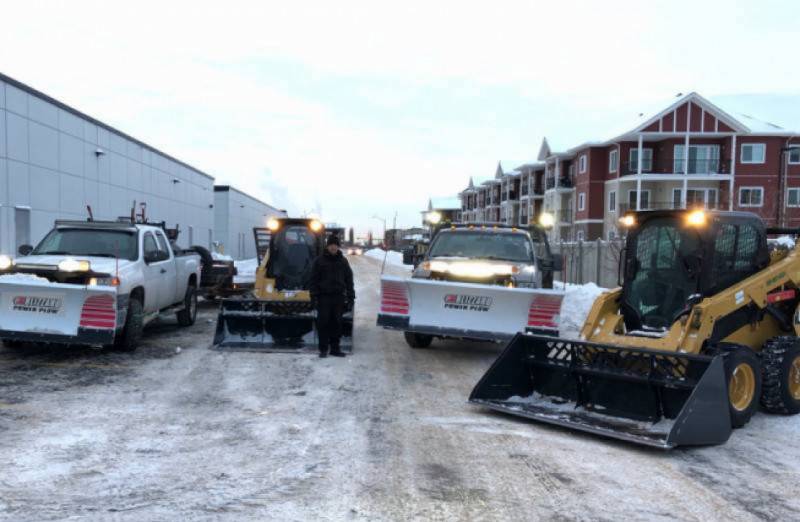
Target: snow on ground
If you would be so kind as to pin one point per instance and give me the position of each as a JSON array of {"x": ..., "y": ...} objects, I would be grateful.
[
  {"x": 784, "y": 241},
  {"x": 246, "y": 271},
  {"x": 220, "y": 257},
  {"x": 578, "y": 300},
  {"x": 392, "y": 258}
]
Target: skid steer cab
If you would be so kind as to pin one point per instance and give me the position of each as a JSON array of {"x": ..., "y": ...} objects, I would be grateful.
[
  {"x": 703, "y": 328},
  {"x": 278, "y": 315}
]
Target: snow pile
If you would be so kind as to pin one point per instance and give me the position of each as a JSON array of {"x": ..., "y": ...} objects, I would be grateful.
[
  {"x": 784, "y": 241},
  {"x": 246, "y": 271},
  {"x": 578, "y": 300},
  {"x": 22, "y": 278},
  {"x": 392, "y": 258},
  {"x": 220, "y": 257}
]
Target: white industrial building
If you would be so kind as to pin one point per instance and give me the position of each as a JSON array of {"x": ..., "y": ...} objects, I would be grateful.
[
  {"x": 55, "y": 160},
  {"x": 235, "y": 215}
]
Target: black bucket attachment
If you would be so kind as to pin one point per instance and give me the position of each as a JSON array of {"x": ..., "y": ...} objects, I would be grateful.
[
  {"x": 274, "y": 326},
  {"x": 655, "y": 398}
]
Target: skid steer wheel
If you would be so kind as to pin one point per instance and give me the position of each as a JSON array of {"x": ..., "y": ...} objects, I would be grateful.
[
  {"x": 780, "y": 361},
  {"x": 187, "y": 316},
  {"x": 416, "y": 340},
  {"x": 128, "y": 339},
  {"x": 743, "y": 377}
]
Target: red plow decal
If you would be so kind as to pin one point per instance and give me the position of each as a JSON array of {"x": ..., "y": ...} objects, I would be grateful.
[{"x": 544, "y": 311}]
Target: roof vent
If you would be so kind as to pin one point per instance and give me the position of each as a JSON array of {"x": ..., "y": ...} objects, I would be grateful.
[{"x": 679, "y": 95}]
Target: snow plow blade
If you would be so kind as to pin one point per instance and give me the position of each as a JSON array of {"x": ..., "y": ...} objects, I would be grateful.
[
  {"x": 654, "y": 398},
  {"x": 272, "y": 326},
  {"x": 467, "y": 310},
  {"x": 35, "y": 310}
]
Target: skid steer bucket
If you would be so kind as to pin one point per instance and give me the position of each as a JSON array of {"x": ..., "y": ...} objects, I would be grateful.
[
  {"x": 277, "y": 326},
  {"x": 655, "y": 398}
]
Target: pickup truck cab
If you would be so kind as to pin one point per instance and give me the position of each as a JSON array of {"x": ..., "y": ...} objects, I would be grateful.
[
  {"x": 96, "y": 283},
  {"x": 491, "y": 254}
]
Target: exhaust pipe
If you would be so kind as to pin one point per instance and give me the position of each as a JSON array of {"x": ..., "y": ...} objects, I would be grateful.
[{"x": 654, "y": 398}]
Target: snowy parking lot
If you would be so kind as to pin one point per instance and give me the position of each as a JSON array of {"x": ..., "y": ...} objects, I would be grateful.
[{"x": 178, "y": 431}]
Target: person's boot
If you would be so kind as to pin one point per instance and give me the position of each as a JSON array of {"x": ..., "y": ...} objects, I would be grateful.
[
  {"x": 323, "y": 351},
  {"x": 336, "y": 351}
]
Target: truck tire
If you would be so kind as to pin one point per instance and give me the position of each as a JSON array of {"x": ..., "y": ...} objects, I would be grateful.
[
  {"x": 780, "y": 369},
  {"x": 187, "y": 316},
  {"x": 743, "y": 380},
  {"x": 128, "y": 339},
  {"x": 416, "y": 340}
]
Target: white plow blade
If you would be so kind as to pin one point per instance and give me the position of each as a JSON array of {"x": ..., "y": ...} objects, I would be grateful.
[
  {"x": 41, "y": 308},
  {"x": 467, "y": 310}
]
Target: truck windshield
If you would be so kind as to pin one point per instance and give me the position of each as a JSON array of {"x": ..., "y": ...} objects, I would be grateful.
[
  {"x": 483, "y": 244},
  {"x": 88, "y": 242},
  {"x": 662, "y": 272}
]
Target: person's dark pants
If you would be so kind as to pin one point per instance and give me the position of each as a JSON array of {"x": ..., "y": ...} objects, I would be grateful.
[{"x": 330, "y": 309}]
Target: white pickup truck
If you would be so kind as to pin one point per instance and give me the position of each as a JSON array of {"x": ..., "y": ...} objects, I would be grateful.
[{"x": 96, "y": 283}]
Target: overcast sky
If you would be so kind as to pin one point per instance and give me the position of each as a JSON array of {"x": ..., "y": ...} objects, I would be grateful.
[{"x": 354, "y": 109}]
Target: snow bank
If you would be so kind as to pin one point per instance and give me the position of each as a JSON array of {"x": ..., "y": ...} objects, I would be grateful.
[
  {"x": 784, "y": 241},
  {"x": 578, "y": 300},
  {"x": 22, "y": 278},
  {"x": 220, "y": 257},
  {"x": 392, "y": 258},
  {"x": 246, "y": 271}
]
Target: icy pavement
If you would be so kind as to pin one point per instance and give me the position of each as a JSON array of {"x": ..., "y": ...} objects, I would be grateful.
[{"x": 386, "y": 434}]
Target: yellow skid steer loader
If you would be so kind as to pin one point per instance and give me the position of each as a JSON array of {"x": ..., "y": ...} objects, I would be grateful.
[
  {"x": 279, "y": 314},
  {"x": 702, "y": 330}
]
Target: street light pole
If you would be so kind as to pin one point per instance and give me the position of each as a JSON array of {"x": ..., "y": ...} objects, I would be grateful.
[{"x": 382, "y": 220}]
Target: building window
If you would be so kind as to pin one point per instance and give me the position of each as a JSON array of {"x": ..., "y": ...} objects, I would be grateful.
[
  {"x": 751, "y": 196},
  {"x": 645, "y": 202},
  {"x": 579, "y": 235},
  {"x": 612, "y": 201},
  {"x": 22, "y": 226},
  {"x": 794, "y": 155},
  {"x": 793, "y": 197},
  {"x": 582, "y": 164},
  {"x": 582, "y": 201},
  {"x": 676, "y": 198},
  {"x": 647, "y": 159},
  {"x": 753, "y": 153},
  {"x": 612, "y": 161},
  {"x": 612, "y": 235}
]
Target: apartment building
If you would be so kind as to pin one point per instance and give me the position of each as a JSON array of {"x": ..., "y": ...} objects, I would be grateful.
[{"x": 687, "y": 153}]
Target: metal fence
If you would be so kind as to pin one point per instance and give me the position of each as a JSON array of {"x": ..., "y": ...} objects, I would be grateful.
[{"x": 590, "y": 261}]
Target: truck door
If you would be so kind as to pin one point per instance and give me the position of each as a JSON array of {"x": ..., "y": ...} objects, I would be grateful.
[
  {"x": 152, "y": 273},
  {"x": 169, "y": 276}
]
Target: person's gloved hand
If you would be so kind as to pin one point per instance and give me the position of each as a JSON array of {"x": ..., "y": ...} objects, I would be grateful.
[{"x": 350, "y": 304}]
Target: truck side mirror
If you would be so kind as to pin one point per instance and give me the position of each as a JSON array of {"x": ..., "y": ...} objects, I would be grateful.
[
  {"x": 408, "y": 257},
  {"x": 152, "y": 257},
  {"x": 24, "y": 250}
]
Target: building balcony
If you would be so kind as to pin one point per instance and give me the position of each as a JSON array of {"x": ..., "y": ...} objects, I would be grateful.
[
  {"x": 565, "y": 215},
  {"x": 672, "y": 205},
  {"x": 678, "y": 166},
  {"x": 563, "y": 182}
]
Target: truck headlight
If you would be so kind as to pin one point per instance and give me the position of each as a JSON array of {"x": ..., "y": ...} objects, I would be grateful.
[
  {"x": 104, "y": 281},
  {"x": 6, "y": 262},
  {"x": 73, "y": 265}
]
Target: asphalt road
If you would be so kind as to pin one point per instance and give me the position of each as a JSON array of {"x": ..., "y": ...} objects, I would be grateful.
[{"x": 385, "y": 434}]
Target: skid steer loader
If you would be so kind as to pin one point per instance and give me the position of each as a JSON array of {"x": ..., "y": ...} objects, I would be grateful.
[
  {"x": 279, "y": 316},
  {"x": 703, "y": 328}
]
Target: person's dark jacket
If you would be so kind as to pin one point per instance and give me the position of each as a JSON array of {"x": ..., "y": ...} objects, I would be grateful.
[{"x": 331, "y": 276}]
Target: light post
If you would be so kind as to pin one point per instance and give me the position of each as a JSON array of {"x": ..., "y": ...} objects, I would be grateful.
[{"x": 382, "y": 220}]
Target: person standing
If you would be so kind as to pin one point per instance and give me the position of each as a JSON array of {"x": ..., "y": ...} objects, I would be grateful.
[{"x": 332, "y": 293}]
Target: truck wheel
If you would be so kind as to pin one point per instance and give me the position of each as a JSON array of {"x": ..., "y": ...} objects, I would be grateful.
[
  {"x": 187, "y": 316},
  {"x": 780, "y": 369},
  {"x": 416, "y": 340},
  {"x": 128, "y": 339},
  {"x": 743, "y": 377}
]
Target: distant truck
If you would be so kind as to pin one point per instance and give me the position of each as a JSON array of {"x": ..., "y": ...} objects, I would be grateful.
[
  {"x": 478, "y": 281},
  {"x": 96, "y": 283}
]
